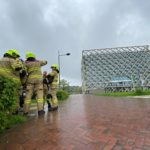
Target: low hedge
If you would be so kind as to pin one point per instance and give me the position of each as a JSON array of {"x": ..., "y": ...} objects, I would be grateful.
[
  {"x": 8, "y": 101},
  {"x": 8, "y": 95},
  {"x": 62, "y": 95},
  {"x": 3, "y": 121}
]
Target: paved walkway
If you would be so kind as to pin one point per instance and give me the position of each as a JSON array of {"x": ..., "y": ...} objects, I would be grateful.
[{"x": 86, "y": 123}]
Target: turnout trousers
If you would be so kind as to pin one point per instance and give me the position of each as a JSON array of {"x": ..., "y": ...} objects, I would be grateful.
[{"x": 38, "y": 89}]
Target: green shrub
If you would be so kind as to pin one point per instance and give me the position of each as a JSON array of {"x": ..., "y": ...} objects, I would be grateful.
[
  {"x": 8, "y": 94},
  {"x": 3, "y": 121},
  {"x": 139, "y": 91},
  {"x": 62, "y": 95},
  {"x": 8, "y": 97}
]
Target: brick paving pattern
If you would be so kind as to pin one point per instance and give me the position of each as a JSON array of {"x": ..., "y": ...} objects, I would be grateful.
[{"x": 85, "y": 123}]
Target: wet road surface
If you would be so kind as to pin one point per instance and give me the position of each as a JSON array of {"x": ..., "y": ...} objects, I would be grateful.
[{"x": 85, "y": 122}]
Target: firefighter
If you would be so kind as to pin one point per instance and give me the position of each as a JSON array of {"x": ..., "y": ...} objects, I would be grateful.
[
  {"x": 46, "y": 89},
  {"x": 10, "y": 68},
  {"x": 34, "y": 82},
  {"x": 23, "y": 71},
  {"x": 53, "y": 81},
  {"x": 22, "y": 75}
]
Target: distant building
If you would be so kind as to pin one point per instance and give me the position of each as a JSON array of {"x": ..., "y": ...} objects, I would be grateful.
[{"x": 101, "y": 66}]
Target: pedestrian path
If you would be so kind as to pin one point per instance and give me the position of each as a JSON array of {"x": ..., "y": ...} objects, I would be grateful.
[
  {"x": 85, "y": 122},
  {"x": 143, "y": 96}
]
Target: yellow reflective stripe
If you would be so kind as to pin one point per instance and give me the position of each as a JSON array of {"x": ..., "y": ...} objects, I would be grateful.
[
  {"x": 40, "y": 100},
  {"x": 35, "y": 76},
  {"x": 33, "y": 69},
  {"x": 55, "y": 79},
  {"x": 27, "y": 101},
  {"x": 55, "y": 101},
  {"x": 4, "y": 70},
  {"x": 54, "y": 82}
]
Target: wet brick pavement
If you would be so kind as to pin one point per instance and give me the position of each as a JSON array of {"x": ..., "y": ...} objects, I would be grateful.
[{"x": 85, "y": 122}]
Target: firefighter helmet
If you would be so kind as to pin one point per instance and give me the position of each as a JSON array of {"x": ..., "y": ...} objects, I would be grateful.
[
  {"x": 15, "y": 53},
  {"x": 29, "y": 55},
  {"x": 9, "y": 52},
  {"x": 54, "y": 66}
]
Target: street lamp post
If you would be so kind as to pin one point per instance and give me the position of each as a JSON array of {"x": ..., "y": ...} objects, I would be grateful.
[{"x": 66, "y": 54}]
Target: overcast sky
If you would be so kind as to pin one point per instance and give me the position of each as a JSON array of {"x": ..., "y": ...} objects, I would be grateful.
[{"x": 46, "y": 26}]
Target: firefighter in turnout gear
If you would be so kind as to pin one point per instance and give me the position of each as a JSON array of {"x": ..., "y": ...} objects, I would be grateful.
[
  {"x": 22, "y": 75},
  {"x": 53, "y": 81},
  {"x": 23, "y": 72},
  {"x": 9, "y": 65},
  {"x": 34, "y": 82},
  {"x": 46, "y": 89},
  {"x": 10, "y": 68}
]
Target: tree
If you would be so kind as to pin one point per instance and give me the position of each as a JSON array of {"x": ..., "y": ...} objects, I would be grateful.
[
  {"x": 75, "y": 89},
  {"x": 64, "y": 85}
]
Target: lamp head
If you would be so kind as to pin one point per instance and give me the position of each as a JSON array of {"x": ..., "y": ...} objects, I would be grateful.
[{"x": 68, "y": 54}]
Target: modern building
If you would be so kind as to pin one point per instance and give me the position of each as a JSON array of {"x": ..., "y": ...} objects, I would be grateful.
[{"x": 101, "y": 66}]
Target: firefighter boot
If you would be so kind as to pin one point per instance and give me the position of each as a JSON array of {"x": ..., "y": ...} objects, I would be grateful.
[
  {"x": 41, "y": 112},
  {"x": 55, "y": 108}
]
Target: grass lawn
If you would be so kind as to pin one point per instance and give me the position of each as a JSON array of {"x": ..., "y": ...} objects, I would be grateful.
[
  {"x": 11, "y": 121},
  {"x": 16, "y": 119},
  {"x": 131, "y": 93}
]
